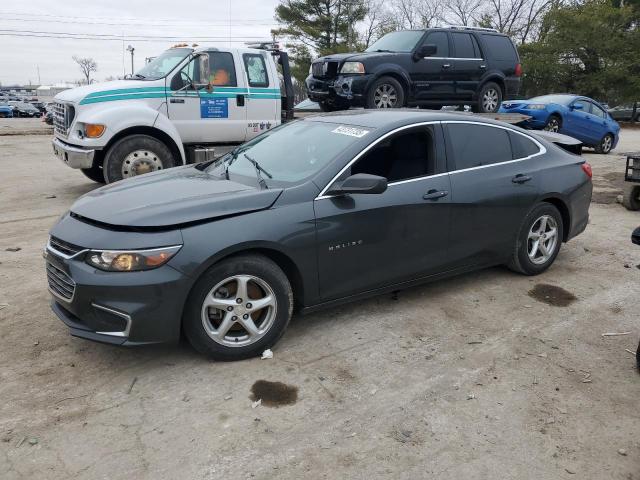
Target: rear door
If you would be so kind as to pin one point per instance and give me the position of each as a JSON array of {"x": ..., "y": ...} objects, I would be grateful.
[
  {"x": 577, "y": 123},
  {"x": 598, "y": 123},
  {"x": 263, "y": 94},
  {"x": 468, "y": 64},
  {"x": 491, "y": 190},
  {"x": 218, "y": 116},
  {"x": 432, "y": 76}
]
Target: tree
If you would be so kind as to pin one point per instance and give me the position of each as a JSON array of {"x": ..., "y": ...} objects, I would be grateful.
[{"x": 87, "y": 66}]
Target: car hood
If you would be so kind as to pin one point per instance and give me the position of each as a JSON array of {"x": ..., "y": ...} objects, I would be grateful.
[
  {"x": 355, "y": 56},
  {"x": 171, "y": 198},
  {"x": 75, "y": 95}
]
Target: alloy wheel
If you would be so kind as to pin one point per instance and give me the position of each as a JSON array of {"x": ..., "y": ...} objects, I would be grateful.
[
  {"x": 490, "y": 100},
  {"x": 542, "y": 239},
  {"x": 239, "y": 310},
  {"x": 139, "y": 162},
  {"x": 385, "y": 96},
  {"x": 607, "y": 142},
  {"x": 553, "y": 125}
]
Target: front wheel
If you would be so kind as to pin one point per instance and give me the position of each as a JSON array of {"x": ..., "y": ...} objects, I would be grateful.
[
  {"x": 239, "y": 307},
  {"x": 94, "y": 173},
  {"x": 136, "y": 155},
  {"x": 538, "y": 241},
  {"x": 490, "y": 98},
  {"x": 386, "y": 92},
  {"x": 553, "y": 124},
  {"x": 605, "y": 145}
]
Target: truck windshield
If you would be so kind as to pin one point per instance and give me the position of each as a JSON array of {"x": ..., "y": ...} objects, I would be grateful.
[
  {"x": 160, "y": 66},
  {"x": 401, "y": 41},
  {"x": 290, "y": 153}
]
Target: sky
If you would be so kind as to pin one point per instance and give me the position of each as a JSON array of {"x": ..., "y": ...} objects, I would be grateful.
[{"x": 102, "y": 30}]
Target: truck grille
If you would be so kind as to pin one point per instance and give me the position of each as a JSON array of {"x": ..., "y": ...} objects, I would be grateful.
[
  {"x": 324, "y": 69},
  {"x": 60, "y": 283},
  {"x": 62, "y": 117}
]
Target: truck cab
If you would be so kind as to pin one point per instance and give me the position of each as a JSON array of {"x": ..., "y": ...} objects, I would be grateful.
[{"x": 177, "y": 109}]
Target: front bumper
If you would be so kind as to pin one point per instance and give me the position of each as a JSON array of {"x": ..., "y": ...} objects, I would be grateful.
[
  {"x": 537, "y": 118},
  {"x": 73, "y": 156},
  {"x": 343, "y": 89}
]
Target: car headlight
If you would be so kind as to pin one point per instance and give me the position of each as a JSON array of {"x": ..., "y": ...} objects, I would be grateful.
[
  {"x": 352, "y": 67},
  {"x": 536, "y": 106},
  {"x": 131, "y": 260}
]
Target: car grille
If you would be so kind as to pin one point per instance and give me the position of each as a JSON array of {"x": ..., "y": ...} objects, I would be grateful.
[
  {"x": 65, "y": 248},
  {"x": 324, "y": 69},
  {"x": 60, "y": 283},
  {"x": 62, "y": 117}
]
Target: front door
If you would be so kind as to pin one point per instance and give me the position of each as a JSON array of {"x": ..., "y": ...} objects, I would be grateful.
[
  {"x": 369, "y": 241},
  {"x": 433, "y": 76},
  {"x": 216, "y": 116},
  {"x": 577, "y": 122}
]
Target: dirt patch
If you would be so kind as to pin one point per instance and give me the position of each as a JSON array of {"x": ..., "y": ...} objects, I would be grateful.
[
  {"x": 607, "y": 187},
  {"x": 274, "y": 394},
  {"x": 552, "y": 295}
]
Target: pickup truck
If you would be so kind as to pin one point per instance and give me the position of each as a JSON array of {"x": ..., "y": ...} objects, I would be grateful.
[{"x": 176, "y": 110}]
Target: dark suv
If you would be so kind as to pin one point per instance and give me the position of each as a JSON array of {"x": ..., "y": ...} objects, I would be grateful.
[{"x": 430, "y": 68}]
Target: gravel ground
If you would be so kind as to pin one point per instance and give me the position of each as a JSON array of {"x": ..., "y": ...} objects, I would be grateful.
[{"x": 488, "y": 375}]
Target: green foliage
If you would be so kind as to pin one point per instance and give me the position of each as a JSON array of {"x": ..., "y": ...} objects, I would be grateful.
[{"x": 590, "y": 49}]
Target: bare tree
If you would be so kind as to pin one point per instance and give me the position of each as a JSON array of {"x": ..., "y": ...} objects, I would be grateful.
[
  {"x": 87, "y": 66},
  {"x": 416, "y": 13},
  {"x": 462, "y": 12},
  {"x": 376, "y": 23},
  {"x": 519, "y": 19}
]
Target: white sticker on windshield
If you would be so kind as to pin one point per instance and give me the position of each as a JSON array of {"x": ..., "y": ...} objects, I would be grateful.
[{"x": 351, "y": 131}]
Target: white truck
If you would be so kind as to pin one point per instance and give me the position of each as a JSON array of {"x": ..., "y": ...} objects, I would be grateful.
[{"x": 176, "y": 110}]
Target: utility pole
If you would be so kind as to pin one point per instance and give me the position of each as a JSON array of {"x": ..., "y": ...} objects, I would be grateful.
[
  {"x": 131, "y": 49},
  {"x": 38, "y": 68}
]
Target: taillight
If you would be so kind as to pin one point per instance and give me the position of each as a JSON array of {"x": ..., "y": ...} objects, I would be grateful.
[
  {"x": 586, "y": 168},
  {"x": 518, "y": 72}
]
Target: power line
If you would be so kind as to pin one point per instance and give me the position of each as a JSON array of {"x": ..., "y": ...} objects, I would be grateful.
[
  {"x": 186, "y": 25},
  {"x": 119, "y": 39},
  {"x": 113, "y": 36}
]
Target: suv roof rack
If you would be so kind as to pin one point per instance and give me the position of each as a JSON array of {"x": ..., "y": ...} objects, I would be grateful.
[
  {"x": 465, "y": 27},
  {"x": 268, "y": 45}
]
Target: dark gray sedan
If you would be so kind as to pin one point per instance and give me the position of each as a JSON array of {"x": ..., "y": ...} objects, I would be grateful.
[{"x": 314, "y": 213}]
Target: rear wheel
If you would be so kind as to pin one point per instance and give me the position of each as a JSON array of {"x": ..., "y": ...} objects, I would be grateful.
[
  {"x": 554, "y": 123},
  {"x": 136, "y": 155},
  {"x": 490, "y": 98},
  {"x": 631, "y": 197},
  {"x": 538, "y": 241},
  {"x": 94, "y": 173},
  {"x": 605, "y": 145},
  {"x": 386, "y": 92},
  {"x": 239, "y": 307}
]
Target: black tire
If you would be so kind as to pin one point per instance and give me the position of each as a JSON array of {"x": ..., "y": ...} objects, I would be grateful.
[
  {"x": 94, "y": 173},
  {"x": 520, "y": 261},
  {"x": 554, "y": 123},
  {"x": 395, "y": 94},
  {"x": 492, "y": 90},
  {"x": 160, "y": 155},
  {"x": 605, "y": 145},
  {"x": 249, "y": 264},
  {"x": 631, "y": 197}
]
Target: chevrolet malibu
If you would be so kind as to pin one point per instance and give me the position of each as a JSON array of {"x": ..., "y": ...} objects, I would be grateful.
[{"x": 325, "y": 210}]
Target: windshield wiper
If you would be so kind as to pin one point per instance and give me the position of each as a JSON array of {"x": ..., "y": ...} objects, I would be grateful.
[
  {"x": 259, "y": 169},
  {"x": 384, "y": 51},
  {"x": 137, "y": 75}
]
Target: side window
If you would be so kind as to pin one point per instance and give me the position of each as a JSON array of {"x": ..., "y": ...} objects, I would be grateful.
[
  {"x": 409, "y": 154},
  {"x": 223, "y": 69},
  {"x": 256, "y": 70},
  {"x": 476, "y": 145},
  {"x": 499, "y": 47},
  {"x": 521, "y": 146},
  {"x": 597, "y": 111},
  {"x": 586, "y": 106},
  {"x": 463, "y": 45},
  {"x": 441, "y": 41},
  {"x": 476, "y": 48}
]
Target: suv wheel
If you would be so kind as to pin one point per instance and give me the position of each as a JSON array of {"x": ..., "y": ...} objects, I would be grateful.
[
  {"x": 490, "y": 98},
  {"x": 239, "y": 307},
  {"x": 538, "y": 241},
  {"x": 386, "y": 92},
  {"x": 605, "y": 145},
  {"x": 136, "y": 155}
]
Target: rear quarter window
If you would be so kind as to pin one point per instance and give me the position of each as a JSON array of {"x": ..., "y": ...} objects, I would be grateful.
[
  {"x": 474, "y": 145},
  {"x": 500, "y": 47},
  {"x": 521, "y": 146}
]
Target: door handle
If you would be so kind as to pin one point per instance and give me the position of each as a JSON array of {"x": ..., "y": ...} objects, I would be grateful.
[
  {"x": 446, "y": 65},
  {"x": 176, "y": 100},
  {"x": 520, "y": 178},
  {"x": 483, "y": 66},
  {"x": 240, "y": 100},
  {"x": 435, "y": 194}
]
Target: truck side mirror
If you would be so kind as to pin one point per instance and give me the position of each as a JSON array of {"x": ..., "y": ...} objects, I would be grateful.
[
  {"x": 203, "y": 70},
  {"x": 426, "y": 50}
]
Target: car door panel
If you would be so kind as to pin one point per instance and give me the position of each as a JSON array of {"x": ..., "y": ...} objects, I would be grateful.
[
  {"x": 468, "y": 64},
  {"x": 576, "y": 123},
  {"x": 432, "y": 77}
]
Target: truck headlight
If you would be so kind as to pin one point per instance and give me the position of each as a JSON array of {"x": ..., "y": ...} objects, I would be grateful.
[
  {"x": 93, "y": 130},
  {"x": 352, "y": 67},
  {"x": 536, "y": 106},
  {"x": 131, "y": 260}
]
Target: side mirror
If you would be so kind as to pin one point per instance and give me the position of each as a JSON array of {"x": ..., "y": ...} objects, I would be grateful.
[
  {"x": 577, "y": 106},
  {"x": 203, "y": 70},
  {"x": 360, "y": 183},
  {"x": 426, "y": 50},
  {"x": 635, "y": 236}
]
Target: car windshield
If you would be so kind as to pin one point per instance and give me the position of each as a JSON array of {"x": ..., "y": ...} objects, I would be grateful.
[
  {"x": 559, "y": 99},
  {"x": 290, "y": 153},
  {"x": 160, "y": 66},
  {"x": 401, "y": 41}
]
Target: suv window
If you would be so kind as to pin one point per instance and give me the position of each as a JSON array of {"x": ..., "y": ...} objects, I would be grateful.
[
  {"x": 441, "y": 41},
  {"x": 597, "y": 111},
  {"x": 521, "y": 146},
  {"x": 475, "y": 145},
  {"x": 256, "y": 70},
  {"x": 463, "y": 45},
  {"x": 500, "y": 47},
  {"x": 409, "y": 154}
]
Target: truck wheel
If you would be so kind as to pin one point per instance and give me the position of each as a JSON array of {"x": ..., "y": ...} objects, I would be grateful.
[
  {"x": 386, "y": 92},
  {"x": 136, "y": 155},
  {"x": 489, "y": 98},
  {"x": 631, "y": 197},
  {"x": 94, "y": 173}
]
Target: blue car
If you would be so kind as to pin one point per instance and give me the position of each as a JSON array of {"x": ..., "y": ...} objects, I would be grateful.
[
  {"x": 6, "y": 110},
  {"x": 573, "y": 115}
]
